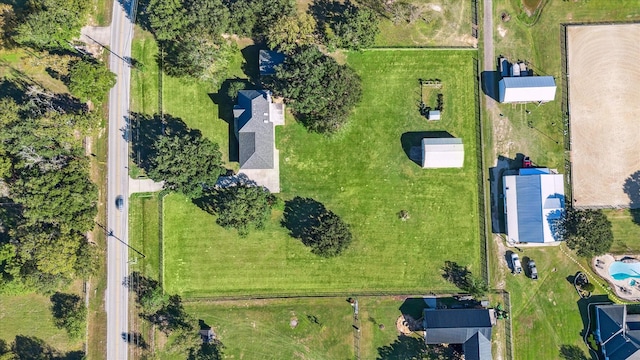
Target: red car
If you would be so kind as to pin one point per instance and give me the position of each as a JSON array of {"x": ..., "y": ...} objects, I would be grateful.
[{"x": 526, "y": 162}]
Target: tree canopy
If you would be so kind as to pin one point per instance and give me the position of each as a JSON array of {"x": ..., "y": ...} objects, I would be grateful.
[
  {"x": 241, "y": 206},
  {"x": 462, "y": 277},
  {"x": 320, "y": 91},
  {"x": 289, "y": 32},
  {"x": 345, "y": 24},
  {"x": 51, "y": 24},
  {"x": 185, "y": 161},
  {"x": 69, "y": 313},
  {"x": 90, "y": 81},
  {"x": 319, "y": 228},
  {"x": 588, "y": 232},
  {"x": 255, "y": 17}
]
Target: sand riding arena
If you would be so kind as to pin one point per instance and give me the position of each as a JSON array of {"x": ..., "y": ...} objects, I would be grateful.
[{"x": 604, "y": 105}]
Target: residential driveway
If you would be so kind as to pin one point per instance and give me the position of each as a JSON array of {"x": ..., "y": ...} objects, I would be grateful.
[
  {"x": 144, "y": 185},
  {"x": 269, "y": 178},
  {"x": 96, "y": 35}
]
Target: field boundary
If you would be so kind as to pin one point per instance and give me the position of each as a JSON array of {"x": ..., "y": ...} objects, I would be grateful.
[
  {"x": 161, "y": 196},
  {"x": 412, "y": 48},
  {"x": 482, "y": 218}
]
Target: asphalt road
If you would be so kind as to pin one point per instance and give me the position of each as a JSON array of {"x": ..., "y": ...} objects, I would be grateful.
[{"x": 118, "y": 185}]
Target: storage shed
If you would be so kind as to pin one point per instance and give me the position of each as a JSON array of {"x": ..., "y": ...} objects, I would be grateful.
[
  {"x": 442, "y": 153},
  {"x": 527, "y": 89}
]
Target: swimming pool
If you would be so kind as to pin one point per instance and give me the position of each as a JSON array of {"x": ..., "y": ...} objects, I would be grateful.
[{"x": 621, "y": 271}]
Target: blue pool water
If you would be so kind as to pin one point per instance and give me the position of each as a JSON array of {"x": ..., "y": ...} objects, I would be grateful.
[
  {"x": 621, "y": 271},
  {"x": 632, "y": 282}
]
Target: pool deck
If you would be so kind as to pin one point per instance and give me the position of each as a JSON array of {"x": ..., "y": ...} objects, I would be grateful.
[{"x": 622, "y": 288}]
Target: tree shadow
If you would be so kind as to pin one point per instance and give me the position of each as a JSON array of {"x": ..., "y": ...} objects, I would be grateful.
[
  {"x": 31, "y": 347},
  {"x": 586, "y": 311},
  {"x": 404, "y": 347},
  {"x": 412, "y": 143},
  {"x": 504, "y": 166},
  {"x": 455, "y": 274},
  {"x": 414, "y": 307},
  {"x": 251, "y": 66},
  {"x": 632, "y": 189},
  {"x": 327, "y": 12},
  {"x": 301, "y": 214},
  {"x": 61, "y": 303},
  {"x": 572, "y": 352},
  {"x": 141, "y": 285},
  {"x": 13, "y": 89},
  {"x": 141, "y": 16}
]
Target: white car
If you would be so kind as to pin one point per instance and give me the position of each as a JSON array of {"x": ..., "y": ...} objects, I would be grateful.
[{"x": 515, "y": 263}]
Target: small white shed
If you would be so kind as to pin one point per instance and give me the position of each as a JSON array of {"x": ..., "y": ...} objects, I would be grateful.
[{"x": 442, "y": 153}]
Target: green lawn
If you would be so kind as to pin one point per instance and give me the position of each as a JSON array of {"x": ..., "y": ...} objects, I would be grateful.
[
  {"x": 439, "y": 24},
  {"x": 144, "y": 234},
  {"x": 626, "y": 233},
  {"x": 546, "y": 313},
  {"x": 30, "y": 315},
  {"x": 364, "y": 175},
  {"x": 262, "y": 328}
]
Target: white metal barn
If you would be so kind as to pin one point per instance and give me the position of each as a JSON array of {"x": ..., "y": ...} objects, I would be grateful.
[
  {"x": 442, "y": 153},
  {"x": 527, "y": 89}
]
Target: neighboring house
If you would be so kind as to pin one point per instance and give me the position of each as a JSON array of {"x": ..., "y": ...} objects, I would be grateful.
[
  {"x": 442, "y": 153},
  {"x": 268, "y": 60},
  {"x": 533, "y": 202},
  {"x": 521, "y": 89},
  {"x": 255, "y": 118},
  {"x": 469, "y": 327},
  {"x": 617, "y": 332}
]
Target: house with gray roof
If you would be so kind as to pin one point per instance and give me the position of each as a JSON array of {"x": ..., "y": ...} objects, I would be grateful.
[
  {"x": 533, "y": 203},
  {"x": 255, "y": 118},
  {"x": 617, "y": 332},
  {"x": 469, "y": 327}
]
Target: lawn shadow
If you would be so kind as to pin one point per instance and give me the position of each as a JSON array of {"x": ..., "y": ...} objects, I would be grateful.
[
  {"x": 226, "y": 98},
  {"x": 489, "y": 81},
  {"x": 412, "y": 143},
  {"x": 301, "y": 214},
  {"x": 572, "y": 352},
  {"x": 587, "y": 312},
  {"x": 141, "y": 16},
  {"x": 404, "y": 347},
  {"x": 13, "y": 88},
  {"x": 136, "y": 339},
  {"x": 251, "y": 66},
  {"x": 504, "y": 166},
  {"x": 414, "y": 307},
  {"x": 525, "y": 266},
  {"x": 455, "y": 274},
  {"x": 632, "y": 189}
]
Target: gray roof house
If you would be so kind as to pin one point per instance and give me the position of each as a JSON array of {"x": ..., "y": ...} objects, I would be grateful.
[
  {"x": 255, "y": 118},
  {"x": 268, "y": 60},
  {"x": 469, "y": 327},
  {"x": 617, "y": 332},
  {"x": 533, "y": 201}
]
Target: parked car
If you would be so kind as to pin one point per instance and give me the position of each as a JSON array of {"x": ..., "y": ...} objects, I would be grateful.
[
  {"x": 515, "y": 263},
  {"x": 533, "y": 270},
  {"x": 119, "y": 202}
]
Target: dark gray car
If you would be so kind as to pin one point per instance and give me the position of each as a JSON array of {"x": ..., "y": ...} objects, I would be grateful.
[{"x": 119, "y": 202}]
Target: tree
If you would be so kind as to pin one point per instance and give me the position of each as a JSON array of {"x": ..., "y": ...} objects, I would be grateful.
[
  {"x": 209, "y": 16},
  {"x": 198, "y": 56},
  {"x": 571, "y": 352},
  {"x": 255, "y": 17},
  {"x": 64, "y": 196},
  {"x": 186, "y": 162},
  {"x": 319, "y": 90},
  {"x": 51, "y": 24},
  {"x": 7, "y": 21},
  {"x": 461, "y": 277},
  {"x": 357, "y": 27},
  {"x": 586, "y": 231},
  {"x": 168, "y": 19},
  {"x": 317, "y": 227},
  {"x": 90, "y": 81},
  {"x": 288, "y": 32},
  {"x": 69, "y": 313},
  {"x": 207, "y": 351},
  {"x": 241, "y": 207}
]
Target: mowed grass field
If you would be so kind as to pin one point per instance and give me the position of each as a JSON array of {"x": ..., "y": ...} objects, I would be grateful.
[
  {"x": 547, "y": 313},
  {"x": 262, "y": 328},
  {"x": 30, "y": 315},
  {"x": 364, "y": 175}
]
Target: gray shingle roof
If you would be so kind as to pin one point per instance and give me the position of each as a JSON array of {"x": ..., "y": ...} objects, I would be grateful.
[
  {"x": 455, "y": 326},
  {"x": 477, "y": 347},
  {"x": 254, "y": 130},
  {"x": 618, "y": 332}
]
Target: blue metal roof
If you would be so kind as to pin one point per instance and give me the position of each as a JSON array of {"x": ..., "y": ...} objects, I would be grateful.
[
  {"x": 528, "y": 81},
  {"x": 529, "y": 207}
]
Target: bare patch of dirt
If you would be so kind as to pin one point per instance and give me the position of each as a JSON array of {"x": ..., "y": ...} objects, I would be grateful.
[
  {"x": 407, "y": 324},
  {"x": 502, "y": 31}
]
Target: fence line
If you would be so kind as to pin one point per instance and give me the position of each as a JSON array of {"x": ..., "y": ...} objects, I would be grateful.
[
  {"x": 161, "y": 196},
  {"x": 482, "y": 218},
  {"x": 507, "y": 324},
  {"x": 413, "y": 48},
  {"x": 321, "y": 294},
  {"x": 474, "y": 18}
]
